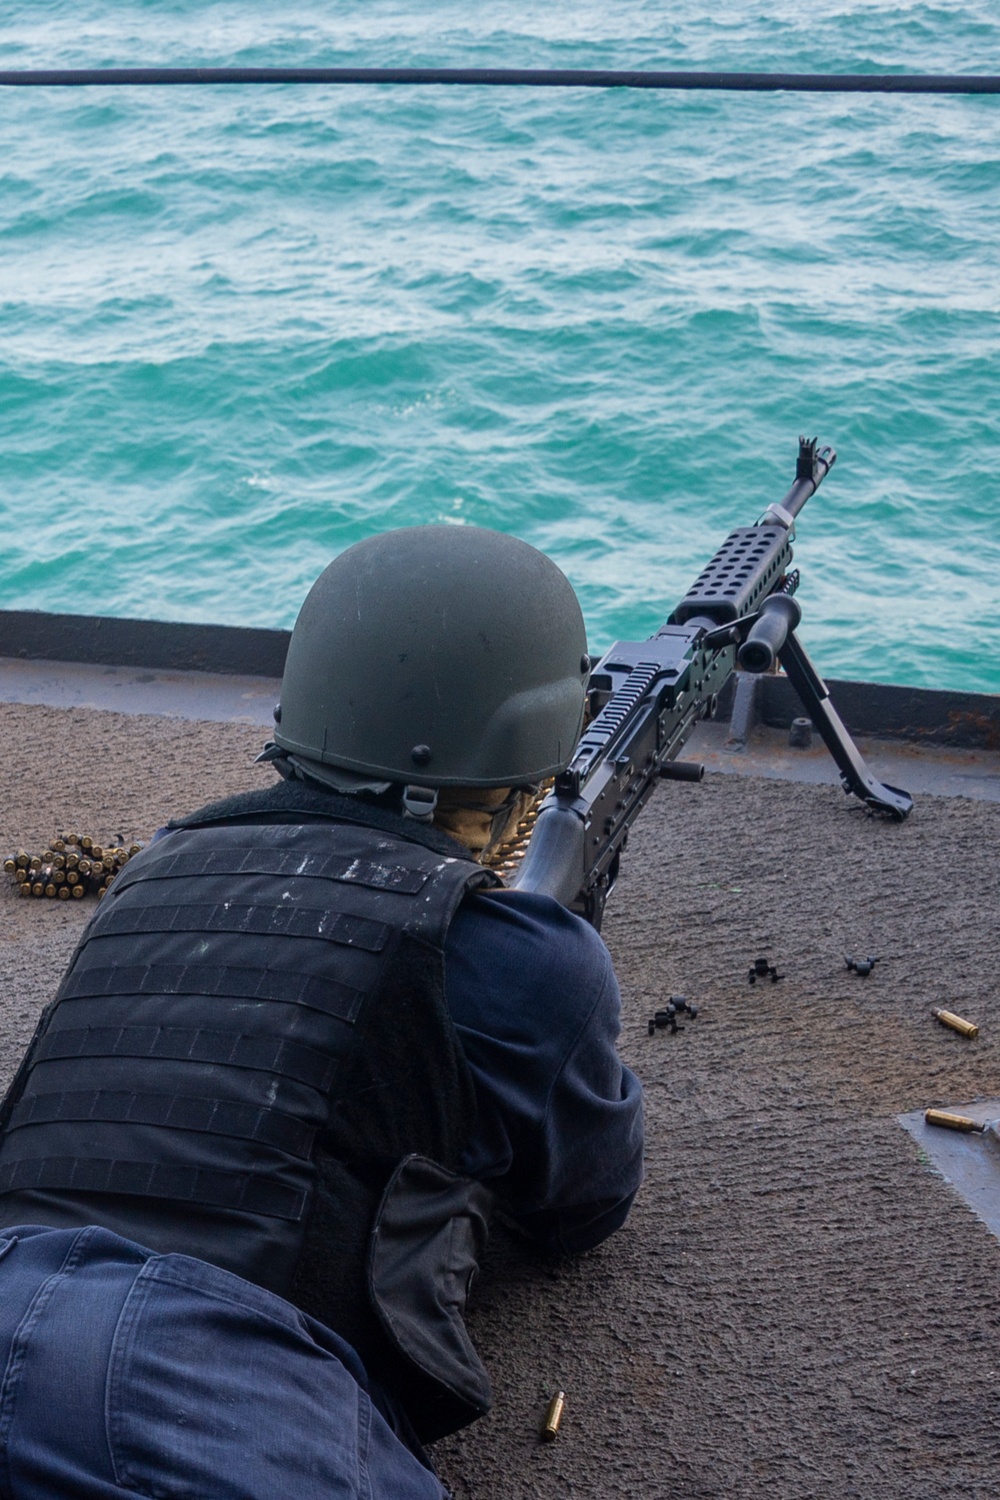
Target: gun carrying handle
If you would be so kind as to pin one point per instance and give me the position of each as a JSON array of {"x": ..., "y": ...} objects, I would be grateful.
[{"x": 778, "y": 617}]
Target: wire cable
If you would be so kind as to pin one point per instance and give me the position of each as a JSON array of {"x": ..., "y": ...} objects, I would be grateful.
[{"x": 815, "y": 83}]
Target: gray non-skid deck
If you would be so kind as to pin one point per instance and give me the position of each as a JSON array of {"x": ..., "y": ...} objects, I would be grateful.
[{"x": 800, "y": 1304}]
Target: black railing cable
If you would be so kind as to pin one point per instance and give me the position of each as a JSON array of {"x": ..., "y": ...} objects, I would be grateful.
[{"x": 815, "y": 83}]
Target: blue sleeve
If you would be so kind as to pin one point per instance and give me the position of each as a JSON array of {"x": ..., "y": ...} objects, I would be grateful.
[{"x": 536, "y": 1004}]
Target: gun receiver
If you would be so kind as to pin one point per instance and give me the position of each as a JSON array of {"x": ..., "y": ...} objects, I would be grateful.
[{"x": 646, "y": 697}]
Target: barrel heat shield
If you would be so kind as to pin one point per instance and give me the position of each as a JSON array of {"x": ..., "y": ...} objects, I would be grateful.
[{"x": 739, "y": 577}]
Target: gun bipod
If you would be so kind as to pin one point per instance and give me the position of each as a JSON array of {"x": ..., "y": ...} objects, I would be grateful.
[{"x": 855, "y": 775}]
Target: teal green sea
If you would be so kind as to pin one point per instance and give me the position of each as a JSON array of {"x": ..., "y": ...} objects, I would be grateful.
[{"x": 242, "y": 328}]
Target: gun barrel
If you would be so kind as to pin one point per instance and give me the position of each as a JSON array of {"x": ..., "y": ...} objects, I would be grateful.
[{"x": 814, "y": 464}]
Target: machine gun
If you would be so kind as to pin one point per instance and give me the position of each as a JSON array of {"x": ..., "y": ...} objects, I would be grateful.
[{"x": 646, "y": 697}]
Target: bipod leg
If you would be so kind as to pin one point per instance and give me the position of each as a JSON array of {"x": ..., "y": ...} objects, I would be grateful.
[{"x": 854, "y": 774}]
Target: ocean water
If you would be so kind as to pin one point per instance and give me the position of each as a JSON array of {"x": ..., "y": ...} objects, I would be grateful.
[{"x": 241, "y": 328}]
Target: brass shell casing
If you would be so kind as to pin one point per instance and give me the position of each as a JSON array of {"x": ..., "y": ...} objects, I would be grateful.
[
  {"x": 964, "y": 1028},
  {"x": 951, "y": 1122},
  {"x": 554, "y": 1416}
]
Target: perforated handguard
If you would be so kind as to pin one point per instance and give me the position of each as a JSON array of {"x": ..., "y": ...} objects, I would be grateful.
[{"x": 739, "y": 577}]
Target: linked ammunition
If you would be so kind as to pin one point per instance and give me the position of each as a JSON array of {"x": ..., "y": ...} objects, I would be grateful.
[
  {"x": 952, "y": 1122},
  {"x": 554, "y": 1416},
  {"x": 956, "y": 1023},
  {"x": 72, "y": 865}
]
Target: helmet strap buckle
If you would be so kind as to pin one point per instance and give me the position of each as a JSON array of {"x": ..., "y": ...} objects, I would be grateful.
[{"x": 419, "y": 803}]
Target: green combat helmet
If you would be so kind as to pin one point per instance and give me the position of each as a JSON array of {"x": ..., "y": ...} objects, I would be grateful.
[{"x": 436, "y": 656}]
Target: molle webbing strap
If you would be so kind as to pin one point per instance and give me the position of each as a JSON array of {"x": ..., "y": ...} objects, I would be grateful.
[
  {"x": 192, "y": 1044},
  {"x": 261, "y": 921},
  {"x": 216, "y": 981},
  {"x": 248, "y": 1122},
  {"x": 162, "y": 864},
  {"x": 146, "y": 1179}
]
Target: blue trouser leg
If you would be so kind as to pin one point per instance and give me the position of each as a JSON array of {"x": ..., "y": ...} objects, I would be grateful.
[{"x": 133, "y": 1374}]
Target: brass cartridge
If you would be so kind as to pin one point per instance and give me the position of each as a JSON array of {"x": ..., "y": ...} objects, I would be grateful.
[
  {"x": 951, "y": 1122},
  {"x": 554, "y": 1416},
  {"x": 964, "y": 1028}
]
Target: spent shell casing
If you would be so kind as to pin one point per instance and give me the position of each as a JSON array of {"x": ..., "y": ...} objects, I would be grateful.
[
  {"x": 554, "y": 1416},
  {"x": 78, "y": 890},
  {"x": 64, "y": 892},
  {"x": 50, "y": 890},
  {"x": 9, "y": 865},
  {"x": 951, "y": 1121},
  {"x": 37, "y": 888},
  {"x": 957, "y": 1023}
]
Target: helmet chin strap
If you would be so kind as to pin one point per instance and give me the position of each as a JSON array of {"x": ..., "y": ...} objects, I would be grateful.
[{"x": 419, "y": 803}]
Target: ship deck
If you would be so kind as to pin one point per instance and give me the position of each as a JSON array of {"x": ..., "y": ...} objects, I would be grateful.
[{"x": 801, "y": 1303}]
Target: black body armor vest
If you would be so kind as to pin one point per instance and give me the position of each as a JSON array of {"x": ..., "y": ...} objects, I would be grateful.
[{"x": 250, "y": 1060}]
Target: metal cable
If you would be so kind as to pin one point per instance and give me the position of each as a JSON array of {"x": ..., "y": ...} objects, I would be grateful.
[{"x": 816, "y": 83}]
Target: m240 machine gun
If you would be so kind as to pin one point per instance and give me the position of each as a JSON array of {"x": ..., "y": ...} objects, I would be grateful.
[{"x": 646, "y": 697}]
